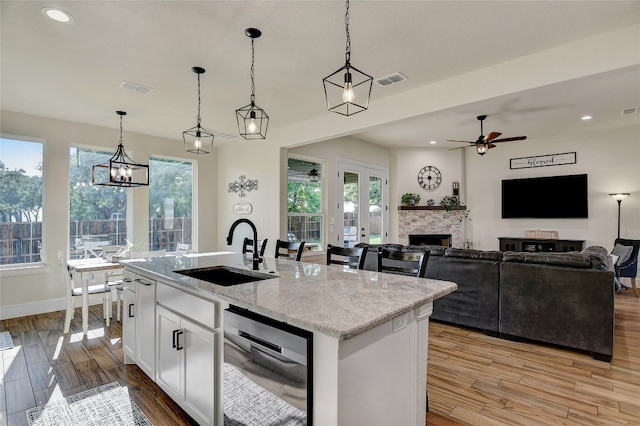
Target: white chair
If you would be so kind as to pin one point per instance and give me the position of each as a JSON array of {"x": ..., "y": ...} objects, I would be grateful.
[
  {"x": 120, "y": 286},
  {"x": 74, "y": 292}
]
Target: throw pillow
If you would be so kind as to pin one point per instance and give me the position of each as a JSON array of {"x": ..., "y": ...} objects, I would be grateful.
[{"x": 623, "y": 253}]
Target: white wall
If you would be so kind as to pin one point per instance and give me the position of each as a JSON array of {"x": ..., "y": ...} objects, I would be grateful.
[
  {"x": 255, "y": 159},
  {"x": 611, "y": 158},
  {"x": 41, "y": 289}
]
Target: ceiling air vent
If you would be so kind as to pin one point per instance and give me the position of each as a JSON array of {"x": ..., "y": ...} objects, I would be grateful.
[
  {"x": 135, "y": 87},
  {"x": 396, "y": 77},
  {"x": 628, "y": 111}
]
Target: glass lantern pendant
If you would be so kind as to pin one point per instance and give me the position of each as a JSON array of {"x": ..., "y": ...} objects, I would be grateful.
[
  {"x": 198, "y": 140},
  {"x": 348, "y": 90},
  {"x": 253, "y": 121}
]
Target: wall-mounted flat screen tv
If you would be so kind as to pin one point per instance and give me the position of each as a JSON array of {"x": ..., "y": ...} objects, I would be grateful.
[{"x": 549, "y": 197}]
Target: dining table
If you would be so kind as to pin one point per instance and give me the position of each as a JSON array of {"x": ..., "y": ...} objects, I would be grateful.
[{"x": 85, "y": 271}]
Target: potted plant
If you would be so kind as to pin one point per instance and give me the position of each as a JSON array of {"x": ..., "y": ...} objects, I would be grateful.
[
  {"x": 410, "y": 199},
  {"x": 449, "y": 202}
]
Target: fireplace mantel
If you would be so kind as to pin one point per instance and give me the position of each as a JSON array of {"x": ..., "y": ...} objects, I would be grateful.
[{"x": 431, "y": 208}]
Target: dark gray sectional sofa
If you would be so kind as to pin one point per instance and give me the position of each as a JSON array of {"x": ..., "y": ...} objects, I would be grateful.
[{"x": 565, "y": 299}]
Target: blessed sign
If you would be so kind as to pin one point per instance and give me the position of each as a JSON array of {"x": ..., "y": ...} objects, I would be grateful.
[{"x": 543, "y": 160}]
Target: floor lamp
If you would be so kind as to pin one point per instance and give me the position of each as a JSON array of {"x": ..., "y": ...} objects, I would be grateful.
[{"x": 619, "y": 197}]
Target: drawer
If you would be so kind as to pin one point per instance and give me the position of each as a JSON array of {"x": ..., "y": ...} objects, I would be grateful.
[
  {"x": 187, "y": 305},
  {"x": 128, "y": 279}
]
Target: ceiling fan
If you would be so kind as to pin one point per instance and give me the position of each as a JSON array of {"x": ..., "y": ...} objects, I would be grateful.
[{"x": 483, "y": 143}]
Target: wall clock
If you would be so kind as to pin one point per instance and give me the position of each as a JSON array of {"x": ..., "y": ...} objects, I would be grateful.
[{"x": 429, "y": 177}]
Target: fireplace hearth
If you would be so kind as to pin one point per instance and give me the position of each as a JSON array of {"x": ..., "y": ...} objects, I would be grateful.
[{"x": 430, "y": 240}]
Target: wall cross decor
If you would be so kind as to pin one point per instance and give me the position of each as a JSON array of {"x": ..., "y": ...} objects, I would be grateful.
[{"x": 242, "y": 186}]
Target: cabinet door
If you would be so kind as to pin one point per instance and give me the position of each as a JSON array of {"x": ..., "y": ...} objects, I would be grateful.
[
  {"x": 199, "y": 372},
  {"x": 145, "y": 321},
  {"x": 129, "y": 323},
  {"x": 168, "y": 355}
]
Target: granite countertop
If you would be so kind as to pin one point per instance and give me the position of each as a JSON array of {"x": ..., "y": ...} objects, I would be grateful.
[{"x": 330, "y": 299}]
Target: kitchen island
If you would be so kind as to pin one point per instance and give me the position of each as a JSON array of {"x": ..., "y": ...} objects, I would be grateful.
[{"x": 370, "y": 332}]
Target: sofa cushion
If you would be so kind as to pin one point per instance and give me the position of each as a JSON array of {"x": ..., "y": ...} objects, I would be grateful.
[
  {"x": 433, "y": 250},
  {"x": 598, "y": 257},
  {"x": 623, "y": 253},
  {"x": 374, "y": 247},
  {"x": 575, "y": 260},
  {"x": 473, "y": 254}
]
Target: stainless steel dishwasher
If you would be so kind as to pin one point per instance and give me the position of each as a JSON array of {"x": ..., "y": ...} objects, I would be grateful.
[{"x": 268, "y": 371}]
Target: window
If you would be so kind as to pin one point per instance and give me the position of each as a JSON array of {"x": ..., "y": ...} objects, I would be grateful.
[
  {"x": 170, "y": 203},
  {"x": 305, "y": 217},
  {"x": 21, "y": 206},
  {"x": 97, "y": 213}
]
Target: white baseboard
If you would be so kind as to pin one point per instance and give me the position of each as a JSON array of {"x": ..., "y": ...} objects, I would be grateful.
[{"x": 42, "y": 307}]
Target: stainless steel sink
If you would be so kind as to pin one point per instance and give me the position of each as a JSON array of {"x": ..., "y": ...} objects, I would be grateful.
[{"x": 225, "y": 275}]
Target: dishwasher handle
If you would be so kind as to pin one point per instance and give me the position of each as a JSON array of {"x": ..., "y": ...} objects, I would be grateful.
[{"x": 260, "y": 342}]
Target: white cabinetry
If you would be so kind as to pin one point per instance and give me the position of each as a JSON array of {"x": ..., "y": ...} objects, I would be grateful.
[
  {"x": 145, "y": 325},
  {"x": 187, "y": 352},
  {"x": 129, "y": 318},
  {"x": 138, "y": 322}
]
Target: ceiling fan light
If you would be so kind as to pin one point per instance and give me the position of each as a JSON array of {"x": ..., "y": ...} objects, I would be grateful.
[{"x": 481, "y": 148}]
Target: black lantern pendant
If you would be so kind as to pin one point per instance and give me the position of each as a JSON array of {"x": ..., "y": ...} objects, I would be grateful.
[
  {"x": 347, "y": 91},
  {"x": 198, "y": 140},
  {"x": 252, "y": 120},
  {"x": 120, "y": 170}
]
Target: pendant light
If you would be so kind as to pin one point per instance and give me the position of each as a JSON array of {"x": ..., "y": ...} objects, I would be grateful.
[
  {"x": 198, "y": 140},
  {"x": 347, "y": 91},
  {"x": 120, "y": 170},
  {"x": 252, "y": 120}
]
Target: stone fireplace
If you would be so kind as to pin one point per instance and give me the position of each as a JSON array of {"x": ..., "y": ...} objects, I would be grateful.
[
  {"x": 433, "y": 221},
  {"x": 430, "y": 240}
]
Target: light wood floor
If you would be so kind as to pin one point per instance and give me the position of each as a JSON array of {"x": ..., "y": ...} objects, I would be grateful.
[{"x": 473, "y": 379}]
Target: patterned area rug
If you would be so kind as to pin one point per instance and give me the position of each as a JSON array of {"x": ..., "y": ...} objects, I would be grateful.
[
  {"x": 6, "y": 342},
  {"x": 105, "y": 405},
  {"x": 246, "y": 404}
]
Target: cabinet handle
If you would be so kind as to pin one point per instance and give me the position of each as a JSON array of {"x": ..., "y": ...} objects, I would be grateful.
[
  {"x": 178, "y": 334},
  {"x": 126, "y": 280},
  {"x": 138, "y": 280},
  {"x": 174, "y": 338},
  {"x": 130, "y": 314}
]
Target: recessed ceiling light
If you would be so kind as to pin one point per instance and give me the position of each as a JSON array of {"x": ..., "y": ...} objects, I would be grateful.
[
  {"x": 58, "y": 15},
  {"x": 433, "y": 142},
  {"x": 586, "y": 117}
]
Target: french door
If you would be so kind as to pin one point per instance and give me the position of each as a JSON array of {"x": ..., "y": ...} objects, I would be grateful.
[{"x": 362, "y": 203}]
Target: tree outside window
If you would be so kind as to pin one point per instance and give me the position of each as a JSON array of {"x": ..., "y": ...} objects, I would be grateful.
[
  {"x": 305, "y": 216},
  {"x": 97, "y": 214},
  {"x": 170, "y": 203},
  {"x": 21, "y": 205}
]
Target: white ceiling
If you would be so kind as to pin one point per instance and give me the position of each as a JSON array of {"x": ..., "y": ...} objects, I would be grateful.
[{"x": 73, "y": 71}]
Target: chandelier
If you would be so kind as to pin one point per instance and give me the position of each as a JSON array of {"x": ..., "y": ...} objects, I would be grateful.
[{"x": 120, "y": 170}]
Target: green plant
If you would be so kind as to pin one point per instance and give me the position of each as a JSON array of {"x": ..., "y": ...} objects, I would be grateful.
[
  {"x": 449, "y": 202},
  {"x": 409, "y": 198}
]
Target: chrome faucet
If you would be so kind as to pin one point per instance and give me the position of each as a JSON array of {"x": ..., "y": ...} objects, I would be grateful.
[{"x": 256, "y": 256}]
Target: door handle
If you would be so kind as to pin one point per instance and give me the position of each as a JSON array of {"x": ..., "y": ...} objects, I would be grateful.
[{"x": 131, "y": 315}]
